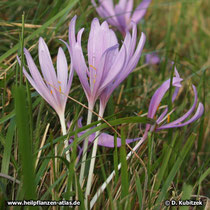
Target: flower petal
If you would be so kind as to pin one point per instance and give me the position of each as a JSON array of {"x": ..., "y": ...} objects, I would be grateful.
[
  {"x": 120, "y": 15},
  {"x": 186, "y": 115},
  {"x": 102, "y": 72},
  {"x": 106, "y": 10},
  {"x": 133, "y": 61},
  {"x": 116, "y": 67},
  {"x": 196, "y": 116},
  {"x": 81, "y": 68},
  {"x": 140, "y": 11},
  {"x": 62, "y": 74},
  {"x": 72, "y": 39},
  {"x": 107, "y": 140},
  {"x": 37, "y": 82},
  {"x": 100, "y": 39},
  {"x": 158, "y": 95},
  {"x": 48, "y": 70},
  {"x": 62, "y": 69},
  {"x": 129, "y": 8}
]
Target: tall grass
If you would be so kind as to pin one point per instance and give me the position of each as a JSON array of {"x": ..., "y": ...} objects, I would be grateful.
[{"x": 172, "y": 164}]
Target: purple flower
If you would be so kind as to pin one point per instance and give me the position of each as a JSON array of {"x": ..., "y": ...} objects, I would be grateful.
[
  {"x": 108, "y": 65},
  {"x": 155, "y": 102},
  {"x": 133, "y": 57},
  {"x": 53, "y": 84},
  {"x": 152, "y": 59},
  {"x": 120, "y": 15}
]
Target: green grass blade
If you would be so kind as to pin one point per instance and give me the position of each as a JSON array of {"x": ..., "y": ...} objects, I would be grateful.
[
  {"x": 124, "y": 169},
  {"x": 41, "y": 29},
  {"x": 80, "y": 194},
  {"x": 139, "y": 190},
  {"x": 187, "y": 191},
  {"x": 175, "y": 169},
  {"x": 7, "y": 117},
  {"x": 202, "y": 177},
  {"x": 167, "y": 153},
  {"x": 25, "y": 143},
  {"x": 8, "y": 148},
  {"x": 115, "y": 155}
]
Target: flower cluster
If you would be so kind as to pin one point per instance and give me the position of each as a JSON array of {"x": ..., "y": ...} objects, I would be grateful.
[{"x": 108, "y": 64}]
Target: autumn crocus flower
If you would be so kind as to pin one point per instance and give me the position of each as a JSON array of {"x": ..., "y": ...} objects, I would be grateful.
[
  {"x": 107, "y": 61},
  {"x": 133, "y": 56},
  {"x": 53, "y": 87},
  {"x": 108, "y": 66},
  {"x": 161, "y": 121},
  {"x": 121, "y": 15}
]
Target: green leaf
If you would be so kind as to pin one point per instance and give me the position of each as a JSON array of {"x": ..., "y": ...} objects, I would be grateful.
[
  {"x": 8, "y": 148},
  {"x": 41, "y": 29},
  {"x": 124, "y": 169},
  {"x": 187, "y": 191},
  {"x": 25, "y": 143},
  {"x": 139, "y": 190},
  {"x": 175, "y": 169},
  {"x": 7, "y": 117}
]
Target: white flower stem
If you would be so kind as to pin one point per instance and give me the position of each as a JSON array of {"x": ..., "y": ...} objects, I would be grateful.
[
  {"x": 85, "y": 147},
  {"x": 104, "y": 185},
  {"x": 93, "y": 158},
  {"x": 63, "y": 127}
]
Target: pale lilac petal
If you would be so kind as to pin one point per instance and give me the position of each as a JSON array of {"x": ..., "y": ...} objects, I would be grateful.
[
  {"x": 166, "y": 109},
  {"x": 103, "y": 70},
  {"x": 46, "y": 63},
  {"x": 93, "y": 42},
  {"x": 72, "y": 39},
  {"x": 34, "y": 71},
  {"x": 120, "y": 15},
  {"x": 37, "y": 77},
  {"x": 48, "y": 70},
  {"x": 71, "y": 74},
  {"x": 127, "y": 42},
  {"x": 107, "y": 140},
  {"x": 129, "y": 8},
  {"x": 186, "y": 115},
  {"x": 158, "y": 95},
  {"x": 134, "y": 36},
  {"x": 108, "y": 5},
  {"x": 37, "y": 82},
  {"x": 173, "y": 98},
  {"x": 127, "y": 69},
  {"x": 79, "y": 36},
  {"x": 77, "y": 57},
  {"x": 62, "y": 70},
  {"x": 100, "y": 39},
  {"x": 133, "y": 61},
  {"x": 116, "y": 67},
  {"x": 80, "y": 67},
  {"x": 135, "y": 58},
  {"x": 195, "y": 117},
  {"x": 140, "y": 11},
  {"x": 122, "y": 3},
  {"x": 110, "y": 56},
  {"x": 106, "y": 10}
]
